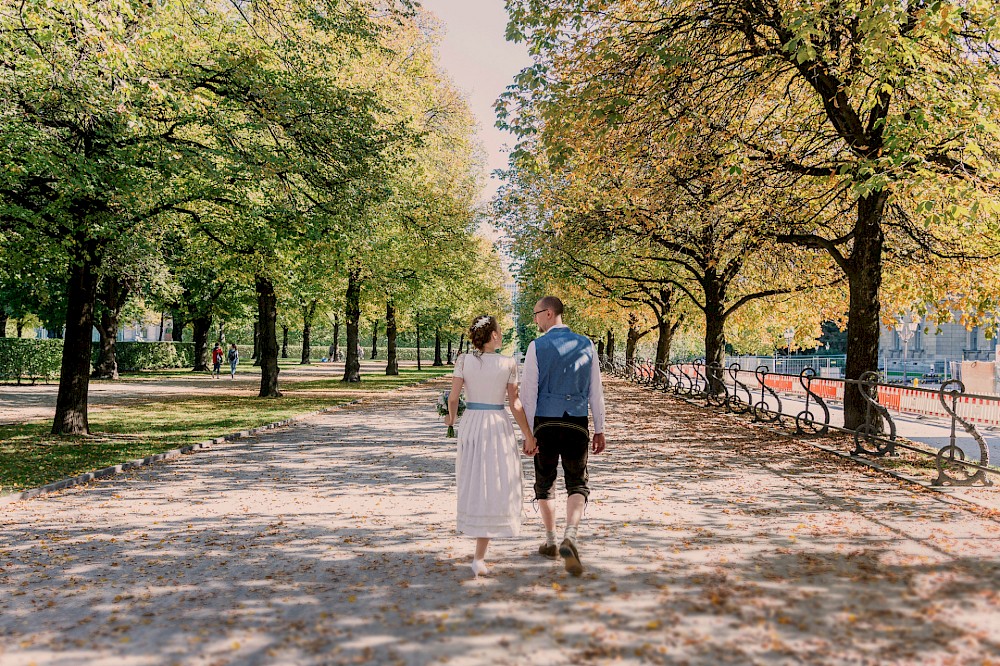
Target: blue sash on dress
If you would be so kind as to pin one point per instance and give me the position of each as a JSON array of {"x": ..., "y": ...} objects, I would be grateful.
[{"x": 482, "y": 405}]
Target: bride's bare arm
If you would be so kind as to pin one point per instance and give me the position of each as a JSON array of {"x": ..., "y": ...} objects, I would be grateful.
[
  {"x": 521, "y": 419},
  {"x": 456, "y": 390}
]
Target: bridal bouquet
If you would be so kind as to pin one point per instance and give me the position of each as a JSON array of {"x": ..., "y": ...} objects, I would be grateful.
[{"x": 442, "y": 408}]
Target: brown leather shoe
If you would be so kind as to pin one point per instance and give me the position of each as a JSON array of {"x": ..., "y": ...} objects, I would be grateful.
[
  {"x": 572, "y": 558},
  {"x": 545, "y": 550}
]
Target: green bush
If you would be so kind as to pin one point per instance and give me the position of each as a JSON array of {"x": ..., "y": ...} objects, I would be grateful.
[
  {"x": 426, "y": 353},
  {"x": 29, "y": 359},
  {"x": 134, "y": 356}
]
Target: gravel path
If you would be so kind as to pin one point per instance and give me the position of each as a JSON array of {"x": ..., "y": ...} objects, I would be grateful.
[{"x": 330, "y": 542}]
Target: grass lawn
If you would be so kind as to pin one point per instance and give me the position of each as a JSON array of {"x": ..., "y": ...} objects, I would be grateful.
[{"x": 31, "y": 457}]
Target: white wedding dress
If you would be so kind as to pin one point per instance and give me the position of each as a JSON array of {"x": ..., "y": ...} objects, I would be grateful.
[{"x": 488, "y": 464}]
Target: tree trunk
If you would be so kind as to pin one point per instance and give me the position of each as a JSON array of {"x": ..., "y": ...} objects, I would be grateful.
[
  {"x": 113, "y": 294},
  {"x": 632, "y": 340},
  {"x": 336, "y": 337},
  {"x": 715, "y": 329},
  {"x": 864, "y": 283},
  {"x": 74, "y": 376},
  {"x": 419, "y": 367},
  {"x": 19, "y": 330},
  {"x": 3, "y": 323},
  {"x": 451, "y": 359},
  {"x": 107, "y": 359},
  {"x": 600, "y": 348},
  {"x": 178, "y": 324},
  {"x": 308, "y": 311},
  {"x": 438, "y": 362},
  {"x": 306, "y": 357},
  {"x": 159, "y": 336},
  {"x": 662, "y": 306},
  {"x": 284, "y": 342},
  {"x": 352, "y": 367},
  {"x": 665, "y": 338},
  {"x": 220, "y": 336},
  {"x": 461, "y": 343},
  {"x": 267, "y": 336},
  {"x": 715, "y": 321},
  {"x": 392, "y": 363},
  {"x": 609, "y": 347},
  {"x": 200, "y": 327},
  {"x": 375, "y": 340},
  {"x": 256, "y": 340}
]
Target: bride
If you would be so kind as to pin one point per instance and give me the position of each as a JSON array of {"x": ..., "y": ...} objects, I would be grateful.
[{"x": 488, "y": 467}]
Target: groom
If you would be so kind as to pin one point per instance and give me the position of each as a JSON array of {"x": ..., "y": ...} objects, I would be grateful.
[{"x": 561, "y": 376}]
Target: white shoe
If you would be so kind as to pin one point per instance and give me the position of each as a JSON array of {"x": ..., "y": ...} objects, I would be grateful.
[{"x": 479, "y": 568}]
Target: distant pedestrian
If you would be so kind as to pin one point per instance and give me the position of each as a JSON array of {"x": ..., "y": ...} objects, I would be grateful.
[
  {"x": 217, "y": 355},
  {"x": 233, "y": 357}
]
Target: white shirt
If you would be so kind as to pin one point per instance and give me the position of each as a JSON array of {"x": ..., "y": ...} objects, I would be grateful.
[{"x": 529, "y": 387}]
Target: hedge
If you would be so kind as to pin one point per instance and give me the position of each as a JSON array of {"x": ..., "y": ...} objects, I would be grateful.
[
  {"x": 29, "y": 359},
  {"x": 134, "y": 356}
]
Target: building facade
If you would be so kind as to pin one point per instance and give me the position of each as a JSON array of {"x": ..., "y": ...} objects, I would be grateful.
[{"x": 929, "y": 350}]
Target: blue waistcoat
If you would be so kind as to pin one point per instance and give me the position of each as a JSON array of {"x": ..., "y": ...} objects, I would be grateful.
[{"x": 565, "y": 361}]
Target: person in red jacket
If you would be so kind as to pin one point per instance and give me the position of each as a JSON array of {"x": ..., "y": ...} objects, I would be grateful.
[{"x": 217, "y": 360}]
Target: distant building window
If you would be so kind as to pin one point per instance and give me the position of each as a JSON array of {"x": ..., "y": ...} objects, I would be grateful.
[{"x": 974, "y": 339}]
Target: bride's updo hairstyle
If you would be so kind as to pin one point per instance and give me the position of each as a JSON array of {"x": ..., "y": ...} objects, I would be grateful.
[{"x": 480, "y": 331}]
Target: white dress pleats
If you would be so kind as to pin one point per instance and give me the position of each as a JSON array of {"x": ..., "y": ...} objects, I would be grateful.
[{"x": 488, "y": 462}]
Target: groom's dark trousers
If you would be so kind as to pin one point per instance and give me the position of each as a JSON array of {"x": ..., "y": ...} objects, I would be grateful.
[{"x": 564, "y": 438}]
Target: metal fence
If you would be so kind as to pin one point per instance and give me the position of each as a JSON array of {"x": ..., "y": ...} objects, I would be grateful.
[{"x": 802, "y": 403}]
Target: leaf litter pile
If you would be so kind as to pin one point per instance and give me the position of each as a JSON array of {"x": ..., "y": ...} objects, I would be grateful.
[{"x": 706, "y": 541}]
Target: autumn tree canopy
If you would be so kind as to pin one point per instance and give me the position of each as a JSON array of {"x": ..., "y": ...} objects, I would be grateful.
[{"x": 876, "y": 118}]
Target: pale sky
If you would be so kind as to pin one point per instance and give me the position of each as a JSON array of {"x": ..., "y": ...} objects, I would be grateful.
[{"x": 482, "y": 64}]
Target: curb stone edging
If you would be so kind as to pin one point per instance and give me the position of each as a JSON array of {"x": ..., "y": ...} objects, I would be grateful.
[{"x": 206, "y": 445}]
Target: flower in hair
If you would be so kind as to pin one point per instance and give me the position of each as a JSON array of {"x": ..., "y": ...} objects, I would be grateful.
[{"x": 482, "y": 321}]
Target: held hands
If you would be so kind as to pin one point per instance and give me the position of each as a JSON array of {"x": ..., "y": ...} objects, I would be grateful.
[
  {"x": 530, "y": 446},
  {"x": 599, "y": 443}
]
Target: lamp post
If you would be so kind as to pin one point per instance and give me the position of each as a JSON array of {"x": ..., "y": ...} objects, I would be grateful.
[
  {"x": 906, "y": 327},
  {"x": 789, "y": 336}
]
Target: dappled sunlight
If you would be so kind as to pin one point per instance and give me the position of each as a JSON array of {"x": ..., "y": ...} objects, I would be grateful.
[{"x": 333, "y": 541}]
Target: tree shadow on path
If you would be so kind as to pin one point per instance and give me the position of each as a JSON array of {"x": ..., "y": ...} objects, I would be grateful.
[{"x": 333, "y": 542}]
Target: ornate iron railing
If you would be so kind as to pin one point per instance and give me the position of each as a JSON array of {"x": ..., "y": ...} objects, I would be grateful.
[{"x": 802, "y": 403}]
